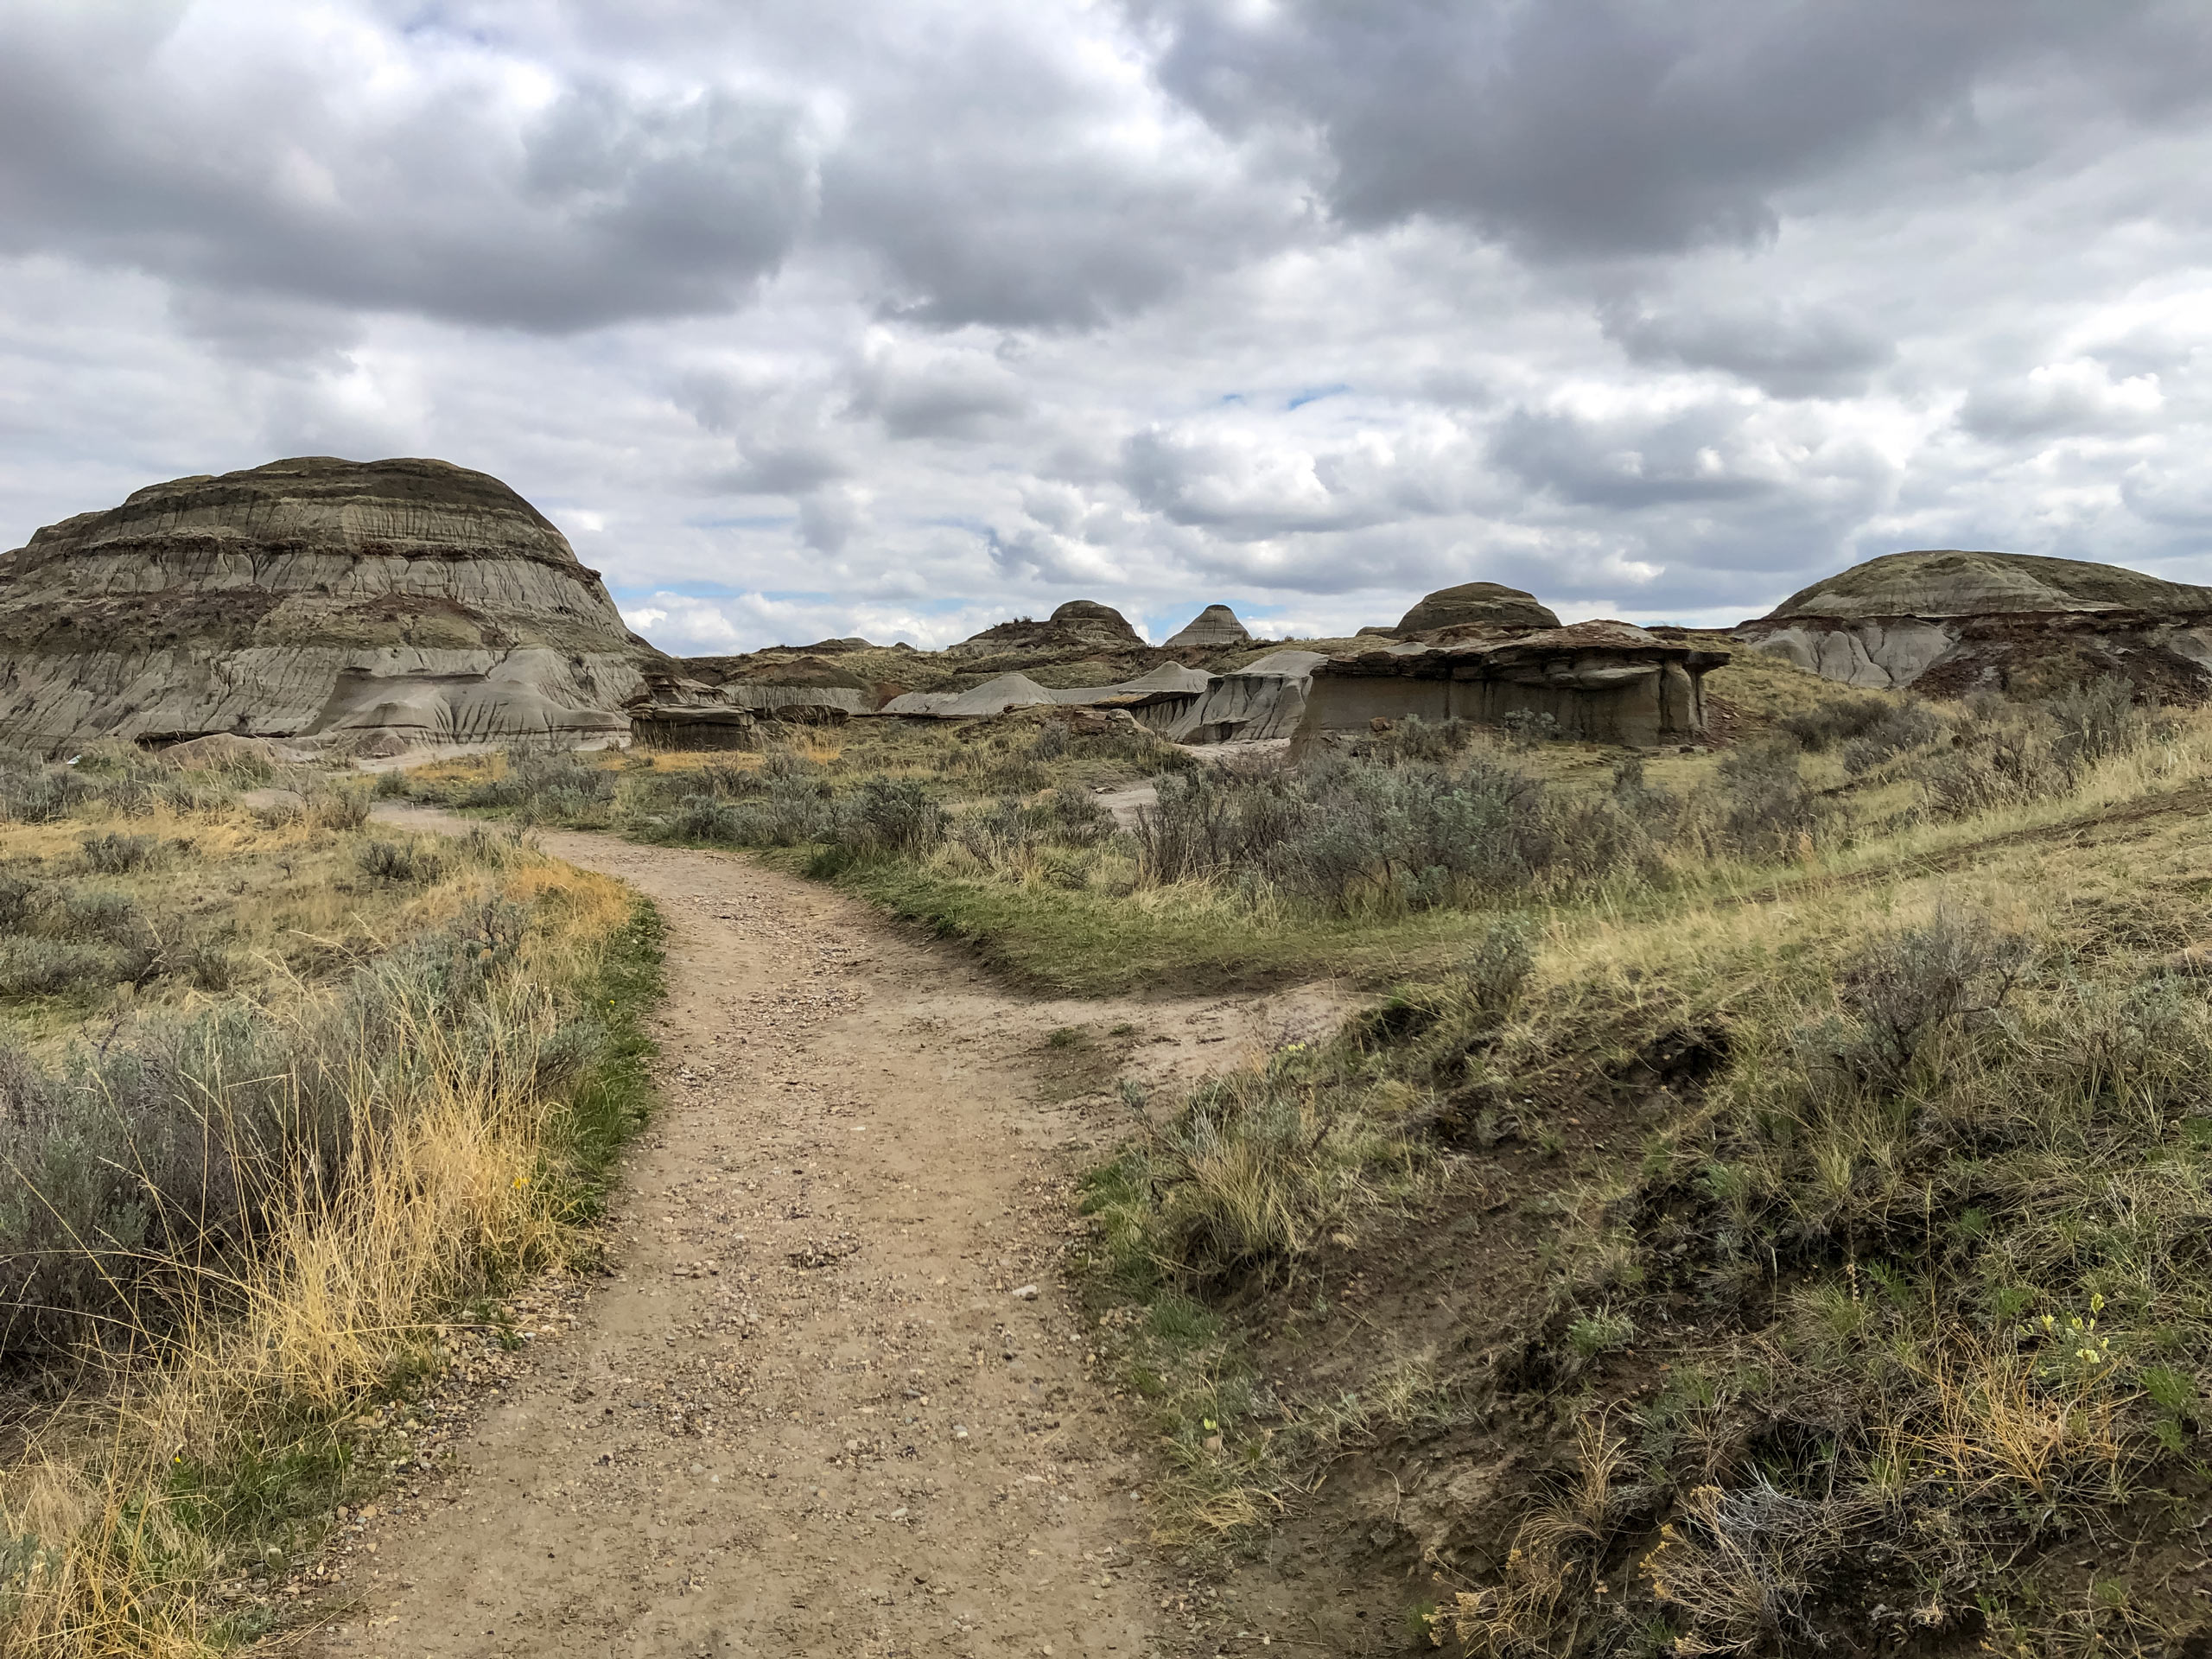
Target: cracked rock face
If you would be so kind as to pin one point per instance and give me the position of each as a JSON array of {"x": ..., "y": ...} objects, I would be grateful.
[{"x": 353, "y": 603}]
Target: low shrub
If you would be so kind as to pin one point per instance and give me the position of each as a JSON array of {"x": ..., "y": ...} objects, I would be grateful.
[
  {"x": 1903, "y": 726},
  {"x": 1527, "y": 728},
  {"x": 338, "y": 806},
  {"x": 116, "y": 854},
  {"x": 1437, "y": 740},
  {"x": 32, "y": 792},
  {"x": 19, "y": 897},
  {"x": 186, "y": 1143},
  {"x": 37, "y": 967},
  {"x": 552, "y": 785},
  {"x": 1768, "y": 809},
  {"x": 93, "y": 914},
  {"x": 2107, "y": 716},
  {"x": 2003, "y": 754},
  {"x": 887, "y": 816},
  {"x": 410, "y": 861},
  {"x": 1351, "y": 833},
  {"x": 1835, "y": 722},
  {"x": 706, "y": 818}
]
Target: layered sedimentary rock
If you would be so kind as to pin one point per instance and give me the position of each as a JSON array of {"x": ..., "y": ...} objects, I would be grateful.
[
  {"x": 1216, "y": 625},
  {"x": 1259, "y": 702},
  {"x": 1484, "y": 605},
  {"x": 806, "y": 687},
  {"x": 1012, "y": 691},
  {"x": 1079, "y": 625},
  {"x": 1945, "y": 621},
  {"x": 1185, "y": 705},
  {"x": 1599, "y": 682},
  {"x": 359, "y": 604}
]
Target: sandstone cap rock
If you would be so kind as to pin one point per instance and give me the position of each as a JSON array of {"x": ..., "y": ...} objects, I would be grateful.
[{"x": 1483, "y": 604}]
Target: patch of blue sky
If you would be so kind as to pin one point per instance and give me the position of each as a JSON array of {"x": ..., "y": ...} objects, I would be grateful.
[
  {"x": 1315, "y": 394},
  {"x": 748, "y": 521}
]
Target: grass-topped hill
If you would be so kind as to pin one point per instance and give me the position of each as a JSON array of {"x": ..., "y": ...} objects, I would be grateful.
[
  {"x": 1808, "y": 1260},
  {"x": 1951, "y": 582}
]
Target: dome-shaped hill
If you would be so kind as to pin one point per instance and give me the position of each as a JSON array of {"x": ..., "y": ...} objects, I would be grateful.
[
  {"x": 1947, "y": 582},
  {"x": 1945, "y": 621},
  {"x": 1079, "y": 625},
  {"x": 312, "y": 597},
  {"x": 1216, "y": 625},
  {"x": 1476, "y": 604}
]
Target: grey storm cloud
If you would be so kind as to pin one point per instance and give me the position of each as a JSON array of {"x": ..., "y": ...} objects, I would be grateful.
[
  {"x": 1629, "y": 464},
  {"x": 936, "y": 395},
  {"x": 1788, "y": 350},
  {"x": 1611, "y": 127},
  {"x": 900, "y": 317},
  {"x": 601, "y": 205}
]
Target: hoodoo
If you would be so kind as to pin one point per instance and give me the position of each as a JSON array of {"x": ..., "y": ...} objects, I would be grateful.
[
  {"x": 364, "y": 604},
  {"x": 1601, "y": 682}
]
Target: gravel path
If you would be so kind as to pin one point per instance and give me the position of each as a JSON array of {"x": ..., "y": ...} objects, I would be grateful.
[{"x": 834, "y": 1398}]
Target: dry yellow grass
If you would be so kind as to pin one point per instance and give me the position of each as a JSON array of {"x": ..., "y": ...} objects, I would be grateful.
[{"x": 446, "y": 1189}]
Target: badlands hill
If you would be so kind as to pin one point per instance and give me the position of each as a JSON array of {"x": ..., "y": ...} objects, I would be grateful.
[
  {"x": 1947, "y": 622},
  {"x": 1950, "y": 582},
  {"x": 361, "y": 605},
  {"x": 357, "y": 608}
]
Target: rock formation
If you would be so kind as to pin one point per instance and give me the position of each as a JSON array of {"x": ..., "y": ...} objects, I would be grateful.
[
  {"x": 1260, "y": 701},
  {"x": 1475, "y": 604},
  {"x": 1079, "y": 625},
  {"x": 1185, "y": 705},
  {"x": 1600, "y": 681},
  {"x": 1216, "y": 625},
  {"x": 1947, "y": 622},
  {"x": 806, "y": 687},
  {"x": 359, "y": 604}
]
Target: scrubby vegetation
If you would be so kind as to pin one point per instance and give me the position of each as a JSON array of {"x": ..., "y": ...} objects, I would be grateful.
[
  {"x": 278, "y": 1095},
  {"x": 1767, "y": 1207},
  {"x": 1859, "y": 1299},
  {"x": 1365, "y": 853}
]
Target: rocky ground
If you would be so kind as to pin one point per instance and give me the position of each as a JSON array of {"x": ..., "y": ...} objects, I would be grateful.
[{"x": 834, "y": 1396}]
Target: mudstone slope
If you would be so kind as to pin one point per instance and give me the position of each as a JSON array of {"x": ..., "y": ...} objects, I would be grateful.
[
  {"x": 1947, "y": 622},
  {"x": 362, "y": 606}
]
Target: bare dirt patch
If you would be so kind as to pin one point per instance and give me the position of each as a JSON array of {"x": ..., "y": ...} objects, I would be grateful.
[{"x": 835, "y": 1397}]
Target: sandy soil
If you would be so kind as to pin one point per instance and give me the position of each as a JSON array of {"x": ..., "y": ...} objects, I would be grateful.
[{"x": 834, "y": 1398}]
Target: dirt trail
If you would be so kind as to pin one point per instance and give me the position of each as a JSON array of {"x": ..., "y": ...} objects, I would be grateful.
[{"x": 814, "y": 1410}]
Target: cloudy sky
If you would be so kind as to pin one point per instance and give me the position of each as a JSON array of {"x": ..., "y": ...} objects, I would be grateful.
[{"x": 900, "y": 316}]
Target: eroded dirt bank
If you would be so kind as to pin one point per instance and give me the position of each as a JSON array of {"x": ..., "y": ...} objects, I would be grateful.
[{"x": 817, "y": 1410}]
